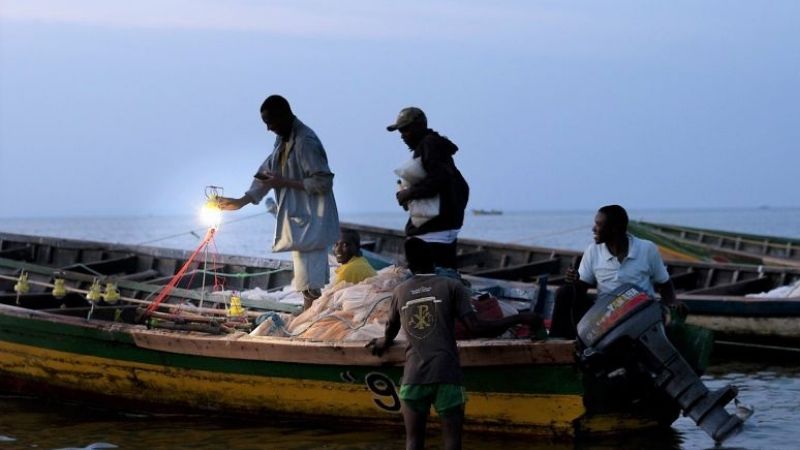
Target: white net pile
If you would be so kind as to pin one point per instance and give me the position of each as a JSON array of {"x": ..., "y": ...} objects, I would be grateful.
[{"x": 344, "y": 312}]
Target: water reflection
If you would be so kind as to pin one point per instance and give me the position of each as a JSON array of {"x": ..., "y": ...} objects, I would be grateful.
[{"x": 27, "y": 423}]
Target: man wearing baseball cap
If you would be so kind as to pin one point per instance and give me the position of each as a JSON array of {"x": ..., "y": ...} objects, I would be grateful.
[{"x": 442, "y": 178}]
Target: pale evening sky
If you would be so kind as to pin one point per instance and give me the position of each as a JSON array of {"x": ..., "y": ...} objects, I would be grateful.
[{"x": 130, "y": 108}]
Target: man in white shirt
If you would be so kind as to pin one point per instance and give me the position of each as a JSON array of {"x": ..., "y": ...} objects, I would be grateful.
[{"x": 616, "y": 258}]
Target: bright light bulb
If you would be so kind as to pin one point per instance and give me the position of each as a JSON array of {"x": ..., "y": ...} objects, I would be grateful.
[{"x": 210, "y": 214}]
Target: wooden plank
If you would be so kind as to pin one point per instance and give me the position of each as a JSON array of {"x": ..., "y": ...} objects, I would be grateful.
[
  {"x": 752, "y": 329},
  {"x": 685, "y": 281},
  {"x": 368, "y": 244},
  {"x": 140, "y": 276},
  {"x": 63, "y": 257},
  {"x": 192, "y": 279},
  {"x": 474, "y": 353},
  {"x": 24, "y": 253},
  {"x": 470, "y": 259},
  {"x": 108, "y": 266},
  {"x": 736, "y": 288},
  {"x": 166, "y": 265},
  {"x": 521, "y": 271},
  {"x": 743, "y": 307},
  {"x": 42, "y": 300},
  {"x": 709, "y": 277}
]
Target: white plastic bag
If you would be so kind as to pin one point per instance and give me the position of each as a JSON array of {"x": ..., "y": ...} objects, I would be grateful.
[
  {"x": 421, "y": 210},
  {"x": 411, "y": 171}
]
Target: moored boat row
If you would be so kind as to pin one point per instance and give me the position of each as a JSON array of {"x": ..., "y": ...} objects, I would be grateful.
[
  {"x": 716, "y": 293},
  {"x": 701, "y": 244}
]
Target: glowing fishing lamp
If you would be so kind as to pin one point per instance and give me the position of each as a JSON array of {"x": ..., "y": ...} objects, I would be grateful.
[
  {"x": 210, "y": 214},
  {"x": 59, "y": 290},
  {"x": 22, "y": 286},
  {"x": 94, "y": 294},
  {"x": 111, "y": 294},
  {"x": 236, "y": 309}
]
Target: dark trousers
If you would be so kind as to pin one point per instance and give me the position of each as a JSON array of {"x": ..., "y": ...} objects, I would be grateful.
[
  {"x": 444, "y": 255},
  {"x": 570, "y": 306}
]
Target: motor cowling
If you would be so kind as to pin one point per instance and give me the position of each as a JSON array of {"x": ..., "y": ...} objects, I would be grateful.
[{"x": 626, "y": 324}]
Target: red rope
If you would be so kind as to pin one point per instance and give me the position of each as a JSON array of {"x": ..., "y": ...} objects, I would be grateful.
[
  {"x": 175, "y": 279},
  {"x": 219, "y": 282}
]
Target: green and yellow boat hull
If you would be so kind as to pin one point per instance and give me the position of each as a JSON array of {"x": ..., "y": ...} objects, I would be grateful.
[{"x": 514, "y": 386}]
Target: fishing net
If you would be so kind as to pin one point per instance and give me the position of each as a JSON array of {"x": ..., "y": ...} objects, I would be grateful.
[{"x": 344, "y": 312}]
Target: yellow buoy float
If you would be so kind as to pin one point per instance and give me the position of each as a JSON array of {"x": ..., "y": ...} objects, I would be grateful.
[
  {"x": 22, "y": 286},
  {"x": 94, "y": 294},
  {"x": 59, "y": 290},
  {"x": 236, "y": 309},
  {"x": 111, "y": 294}
]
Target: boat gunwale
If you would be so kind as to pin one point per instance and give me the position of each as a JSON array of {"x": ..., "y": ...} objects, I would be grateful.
[
  {"x": 273, "y": 263},
  {"x": 774, "y": 241},
  {"x": 473, "y": 353},
  {"x": 156, "y": 252},
  {"x": 466, "y": 241},
  {"x": 578, "y": 253},
  {"x": 765, "y": 258}
]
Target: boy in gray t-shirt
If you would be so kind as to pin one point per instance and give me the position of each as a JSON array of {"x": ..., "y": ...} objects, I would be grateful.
[{"x": 426, "y": 306}]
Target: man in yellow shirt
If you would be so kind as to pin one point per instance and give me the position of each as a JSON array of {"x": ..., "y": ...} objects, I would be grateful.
[{"x": 354, "y": 267}]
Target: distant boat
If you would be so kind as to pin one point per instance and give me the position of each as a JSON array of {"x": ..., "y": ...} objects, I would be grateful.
[{"x": 487, "y": 212}]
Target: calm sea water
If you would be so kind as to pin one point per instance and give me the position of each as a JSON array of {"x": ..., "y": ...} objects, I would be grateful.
[
  {"x": 249, "y": 231},
  {"x": 26, "y": 423}
]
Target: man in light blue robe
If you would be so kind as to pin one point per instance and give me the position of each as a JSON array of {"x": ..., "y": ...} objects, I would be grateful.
[{"x": 307, "y": 219}]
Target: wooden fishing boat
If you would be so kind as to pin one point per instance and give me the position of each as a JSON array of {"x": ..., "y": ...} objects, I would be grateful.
[
  {"x": 700, "y": 244},
  {"x": 716, "y": 294},
  {"x": 198, "y": 358}
]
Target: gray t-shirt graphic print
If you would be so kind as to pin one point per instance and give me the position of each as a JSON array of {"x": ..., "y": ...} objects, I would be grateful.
[{"x": 427, "y": 307}]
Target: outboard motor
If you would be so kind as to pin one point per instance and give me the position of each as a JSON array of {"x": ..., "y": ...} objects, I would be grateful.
[{"x": 629, "y": 322}]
